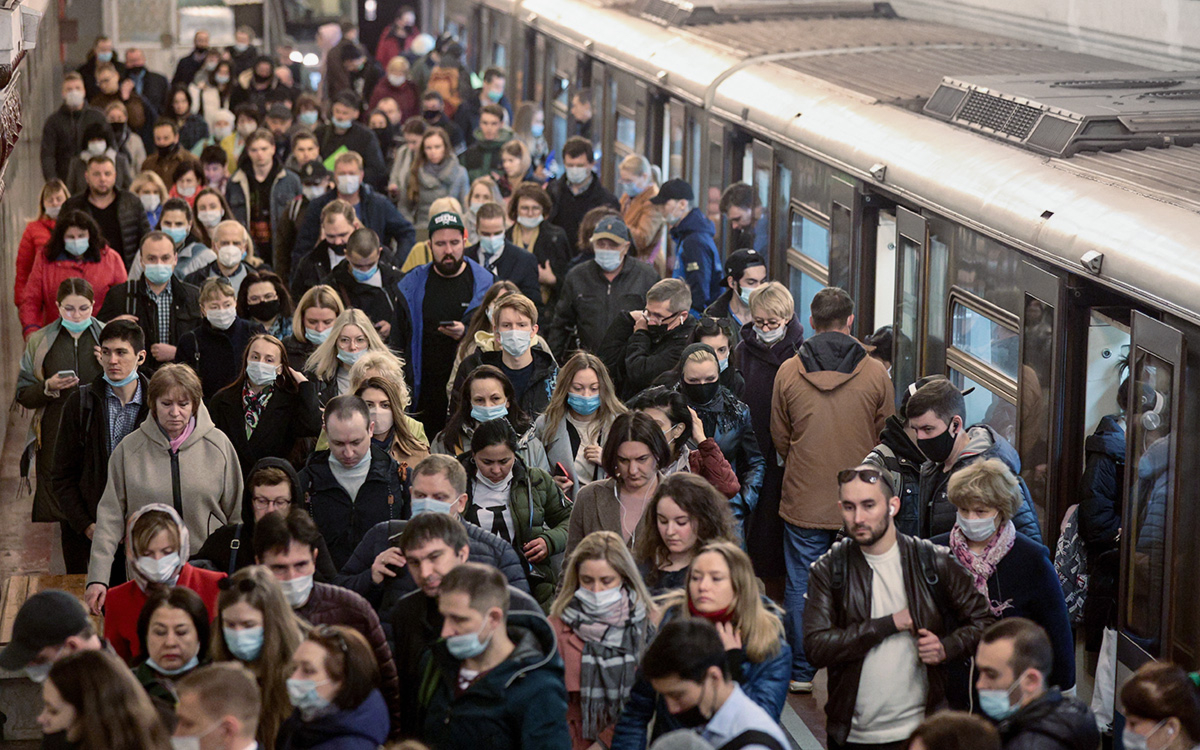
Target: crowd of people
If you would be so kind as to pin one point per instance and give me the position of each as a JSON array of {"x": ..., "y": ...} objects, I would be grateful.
[{"x": 369, "y": 422}]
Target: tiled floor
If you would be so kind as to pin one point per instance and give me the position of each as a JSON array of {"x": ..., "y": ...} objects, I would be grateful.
[{"x": 25, "y": 547}]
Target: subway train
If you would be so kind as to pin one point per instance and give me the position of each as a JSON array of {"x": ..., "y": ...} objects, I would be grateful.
[{"x": 1024, "y": 217}]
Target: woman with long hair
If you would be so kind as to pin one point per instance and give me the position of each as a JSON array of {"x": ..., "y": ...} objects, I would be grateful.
[
  {"x": 682, "y": 429},
  {"x": 435, "y": 173},
  {"x": 386, "y": 402},
  {"x": 351, "y": 336},
  {"x": 528, "y": 208},
  {"x": 173, "y": 625},
  {"x": 264, "y": 299},
  {"x": 256, "y": 626},
  {"x": 1162, "y": 708},
  {"x": 487, "y": 394},
  {"x": 685, "y": 515},
  {"x": 192, "y": 127},
  {"x": 722, "y": 589},
  {"x": 391, "y": 368},
  {"x": 483, "y": 190},
  {"x": 312, "y": 322},
  {"x": 95, "y": 702},
  {"x": 516, "y": 165},
  {"x": 576, "y": 423},
  {"x": 602, "y": 612},
  {"x": 37, "y": 233},
  {"x": 529, "y": 126},
  {"x": 647, "y": 223},
  {"x": 268, "y": 407}
]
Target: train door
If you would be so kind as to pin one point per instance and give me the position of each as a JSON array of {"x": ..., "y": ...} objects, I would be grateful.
[
  {"x": 912, "y": 243},
  {"x": 855, "y": 221}
]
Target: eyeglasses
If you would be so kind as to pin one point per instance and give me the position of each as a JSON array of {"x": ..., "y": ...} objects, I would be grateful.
[
  {"x": 870, "y": 476},
  {"x": 271, "y": 504},
  {"x": 655, "y": 319}
]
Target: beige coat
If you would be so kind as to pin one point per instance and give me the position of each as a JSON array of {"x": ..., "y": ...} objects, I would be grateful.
[{"x": 140, "y": 473}]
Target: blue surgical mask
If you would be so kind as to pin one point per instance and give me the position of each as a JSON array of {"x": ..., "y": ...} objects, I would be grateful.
[
  {"x": 349, "y": 358},
  {"x": 429, "y": 505},
  {"x": 628, "y": 188},
  {"x": 303, "y": 695},
  {"x": 995, "y": 703},
  {"x": 158, "y": 273},
  {"x": 177, "y": 234},
  {"x": 495, "y": 96},
  {"x": 467, "y": 646},
  {"x": 488, "y": 413},
  {"x": 609, "y": 260},
  {"x": 744, "y": 294},
  {"x": 79, "y": 327},
  {"x": 104, "y": 56},
  {"x": 123, "y": 381},
  {"x": 76, "y": 245},
  {"x": 192, "y": 663},
  {"x": 583, "y": 405},
  {"x": 722, "y": 364},
  {"x": 537, "y": 129},
  {"x": 364, "y": 276},
  {"x": 316, "y": 337},
  {"x": 341, "y": 124},
  {"x": 308, "y": 117},
  {"x": 491, "y": 245},
  {"x": 245, "y": 644}
]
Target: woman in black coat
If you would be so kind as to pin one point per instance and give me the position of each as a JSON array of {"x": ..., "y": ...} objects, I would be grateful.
[
  {"x": 214, "y": 348},
  {"x": 268, "y": 407},
  {"x": 528, "y": 208}
]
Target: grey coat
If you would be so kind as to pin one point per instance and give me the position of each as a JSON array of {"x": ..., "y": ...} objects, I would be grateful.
[{"x": 452, "y": 181}]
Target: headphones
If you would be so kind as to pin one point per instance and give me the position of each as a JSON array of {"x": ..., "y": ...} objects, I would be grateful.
[{"x": 1153, "y": 419}]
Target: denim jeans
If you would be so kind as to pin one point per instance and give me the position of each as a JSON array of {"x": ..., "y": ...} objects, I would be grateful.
[{"x": 801, "y": 548}]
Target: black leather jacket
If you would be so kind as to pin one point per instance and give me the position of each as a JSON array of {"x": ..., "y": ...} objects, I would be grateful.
[{"x": 839, "y": 630}]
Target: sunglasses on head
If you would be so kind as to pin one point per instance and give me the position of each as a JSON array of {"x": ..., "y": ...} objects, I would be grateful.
[{"x": 870, "y": 476}]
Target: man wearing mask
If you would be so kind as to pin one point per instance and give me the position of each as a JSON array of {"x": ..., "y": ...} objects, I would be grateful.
[
  {"x": 336, "y": 223},
  {"x": 344, "y": 133},
  {"x": 697, "y": 260},
  {"x": 260, "y": 192},
  {"x": 747, "y": 220},
  {"x": 491, "y": 92},
  {"x": 745, "y": 271},
  {"x": 101, "y": 52},
  {"x": 885, "y": 612},
  {"x": 119, "y": 213},
  {"x": 314, "y": 183},
  {"x": 243, "y": 53},
  {"x": 169, "y": 154},
  {"x": 369, "y": 283},
  {"x": 1013, "y": 662},
  {"x": 218, "y": 708},
  {"x": 287, "y": 544},
  {"x": 164, "y": 307},
  {"x": 433, "y": 112},
  {"x": 598, "y": 291},
  {"x": 279, "y": 122},
  {"x": 152, "y": 87},
  {"x": 937, "y": 414},
  {"x": 430, "y": 546},
  {"x": 191, "y": 64},
  {"x": 578, "y": 190},
  {"x": 62, "y": 135},
  {"x": 643, "y": 344},
  {"x": 503, "y": 259},
  {"x": 531, "y": 369},
  {"x": 482, "y": 158},
  {"x": 441, "y": 295},
  {"x": 253, "y": 85},
  {"x": 112, "y": 89}
]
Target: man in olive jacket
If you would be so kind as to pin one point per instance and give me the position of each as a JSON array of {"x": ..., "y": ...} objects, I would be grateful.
[{"x": 885, "y": 611}]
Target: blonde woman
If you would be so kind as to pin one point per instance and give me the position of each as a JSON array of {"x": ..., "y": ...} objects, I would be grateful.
[
  {"x": 483, "y": 190},
  {"x": 152, "y": 192},
  {"x": 576, "y": 423},
  {"x": 312, "y": 322},
  {"x": 235, "y": 257},
  {"x": 722, "y": 589},
  {"x": 351, "y": 336},
  {"x": 602, "y": 612},
  {"x": 646, "y": 221}
]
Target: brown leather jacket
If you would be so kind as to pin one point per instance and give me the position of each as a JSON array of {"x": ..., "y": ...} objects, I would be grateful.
[{"x": 839, "y": 630}]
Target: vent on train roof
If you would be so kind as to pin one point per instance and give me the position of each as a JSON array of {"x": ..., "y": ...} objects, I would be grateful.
[
  {"x": 1089, "y": 112},
  {"x": 692, "y": 13}
]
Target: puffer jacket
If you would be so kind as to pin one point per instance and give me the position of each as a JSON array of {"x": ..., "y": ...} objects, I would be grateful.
[
  {"x": 364, "y": 727},
  {"x": 938, "y": 513},
  {"x": 450, "y": 181},
  {"x": 520, "y": 703},
  {"x": 539, "y": 511},
  {"x": 37, "y": 233},
  {"x": 727, "y": 421},
  {"x": 839, "y": 631},
  {"x": 39, "y": 305},
  {"x": 1052, "y": 722},
  {"x": 1103, "y": 484},
  {"x": 898, "y": 454}
]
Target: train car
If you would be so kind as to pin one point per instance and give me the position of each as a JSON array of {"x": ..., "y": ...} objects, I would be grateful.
[{"x": 1025, "y": 218}]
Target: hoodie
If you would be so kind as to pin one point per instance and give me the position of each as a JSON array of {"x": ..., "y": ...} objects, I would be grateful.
[
  {"x": 1052, "y": 722},
  {"x": 898, "y": 454},
  {"x": 697, "y": 260},
  {"x": 364, "y": 727}
]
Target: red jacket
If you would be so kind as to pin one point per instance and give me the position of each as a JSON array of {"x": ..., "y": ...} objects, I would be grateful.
[
  {"x": 570, "y": 648},
  {"x": 406, "y": 96},
  {"x": 124, "y": 603},
  {"x": 39, "y": 306},
  {"x": 37, "y": 234},
  {"x": 389, "y": 46}
]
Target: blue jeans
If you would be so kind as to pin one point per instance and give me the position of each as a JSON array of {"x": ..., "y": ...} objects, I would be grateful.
[{"x": 801, "y": 548}]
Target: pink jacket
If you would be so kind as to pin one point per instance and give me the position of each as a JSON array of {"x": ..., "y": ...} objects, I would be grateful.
[{"x": 39, "y": 306}]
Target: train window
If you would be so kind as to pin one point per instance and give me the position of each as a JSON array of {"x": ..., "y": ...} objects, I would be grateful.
[
  {"x": 675, "y": 140},
  {"x": 808, "y": 259},
  {"x": 803, "y": 288},
  {"x": 716, "y": 175},
  {"x": 984, "y": 338},
  {"x": 811, "y": 239},
  {"x": 627, "y": 132},
  {"x": 986, "y": 406},
  {"x": 779, "y": 213}
]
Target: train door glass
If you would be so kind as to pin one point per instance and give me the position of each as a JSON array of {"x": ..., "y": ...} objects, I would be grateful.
[
  {"x": 694, "y": 170},
  {"x": 845, "y": 219},
  {"x": 983, "y": 356},
  {"x": 1152, "y": 449},
  {"x": 1036, "y": 394},
  {"x": 717, "y": 174},
  {"x": 885, "y": 270},
  {"x": 911, "y": 237},
  {"x": 808, "y": 260},
  {"x": 778, "y": 215},
  {"x": 675, "y": 139}
]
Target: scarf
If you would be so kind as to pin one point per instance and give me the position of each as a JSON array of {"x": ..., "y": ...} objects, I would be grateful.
[
  {"x": 716, "y": 618},
  {"x": 613, "y": 642},
  {"x": 187, "y": 433},
  {"x": 982, "y": 567},
  {"x": 254, "y": 403}
]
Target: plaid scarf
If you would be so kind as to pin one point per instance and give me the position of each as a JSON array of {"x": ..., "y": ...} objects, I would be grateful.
[
  {"x": 254, "y": 403},
  {"x": 983, "y": 567},
  {"x": 613, "y": 642}
]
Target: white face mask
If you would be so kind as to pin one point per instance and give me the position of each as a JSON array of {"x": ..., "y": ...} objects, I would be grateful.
[
  {"x": 221, "y": 132},
  {"x": 578, "y": 175},
  {"x": 230, "y": 255},
  {"x": 529, "y": 222},
  {"x": 162, "y": 570},
  {"x": 977, "y": 529},
  {"x": 599, "y": 600},
  {"x": 149, "y": 201},
  {"x": 396, "y": 81},
  {"x": 209, "y": 218},
  {"x": 95, "y": 148},
  {"x": 297, "y": 590},
  {"x": 516, "y": 343},
  {"x": 348, "y": 183},
  {"x": 246, "y": 129},
  {"x": 770, "y": 337},
  {"x": 383, "y": 420},
  {"x": 221, "y": 319}
]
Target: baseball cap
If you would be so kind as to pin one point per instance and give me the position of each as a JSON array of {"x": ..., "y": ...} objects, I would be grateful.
[
  {"x": 313, "y": 172},
  {"x": 739, "y": 260},
  {"x": 611, "y": 227},
  {"x": 446, "y": 220},
  {"x": 673, "y": 190},
  {"x": 48, "y": 618}
]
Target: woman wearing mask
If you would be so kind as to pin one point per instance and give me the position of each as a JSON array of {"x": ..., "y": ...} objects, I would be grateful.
[
  {"x": 395, "y": 431},
  {"x": 727, "y": 420},
  {"x": 682, "y": 428},
  {"x": 576, "y": 423},
  {"x": 256, "y": 626},
  {"x": 487, "y": 394},
  {"x": 37, "y": 233},
  {"x": 211, "y": 210},
  {"x": 528, "y": 207},
  {"x": 351, "y": 336},
  {"x": 235, "y": 257},
  {"x": 520, "y": 504},
  {"x": 176, "y": 453},
  {"x": 396, "y": 86},
  {"x": 685, "y": 515},
  {"x": 515, "y": 166},
  {"x": 634, "y": 454},
  {"x": 152, "y": 192},
  {"x": 1011, "y": 570},
  {"x": 220, "y": 124},
  {"x": 191, "y": 253},
  {"x": 709, "y": 331},
  {"x": 214, "y": 348},
  {"x": 334, "y": 689},
  {"x": 57, "y": 359},
  {"x": 603, "y": 612},
  {"x": 1162, "y": 708},
  {"x": 90, "y": 700},
  {"x": 264, "y": 299},
  {"x": 156, "y": 553},
  {"x": 98, "y": 141},
  {"x": 186, "y": 181},
  {"x": 722, "y": 589},
  {"x": 76, "y": 250},
  {"x": 647, "y": 225},
  {"x": 174, "y": 626},
  {"x": 215, "y": 94},
  {"x": 307, "y": 111},
  {"x": 435, "y": 173},
  {"x": 269, "y": 407},
  {"x": 483, "y": 190},
  {"x": 311, "y": 322},
  {"x": 772, "y": 336},
  {"x": 529, "y": 126},
  {"x": 125, "y": 140},
  {"x": 192, "y": 127}
]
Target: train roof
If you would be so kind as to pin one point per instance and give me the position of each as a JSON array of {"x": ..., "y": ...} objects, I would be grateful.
[{"x": 848, "y": 91}]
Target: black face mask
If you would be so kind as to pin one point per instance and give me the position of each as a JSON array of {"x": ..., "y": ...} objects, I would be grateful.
[
  {"x": 657, "y": 331},
  {"x": 201, "y": 51},
  {"x": 164, "y": 151},
  {"x": 692, "y": 718},
  {"x": 338, "y": 250},
  {"x": 432, "y": 115},
  {"x": 743, "y": 238},
  {"x": 263, "y": 310},
  {"x": 939, "y": 447},
  {"x": 700, "y": 393},
  {"x": 262, "y": 79},
  {"x": 133, "y": 71},
  {"x": 118, "y": 129}
]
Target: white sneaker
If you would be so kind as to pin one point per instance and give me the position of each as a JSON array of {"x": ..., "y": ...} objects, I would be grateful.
[{"x": 796, "y": 686}]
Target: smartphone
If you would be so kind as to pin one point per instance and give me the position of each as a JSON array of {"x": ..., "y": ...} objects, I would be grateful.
[
  {"x": 65, "y": 373},
  {"x": 446, "y": 323},
  {"x": 560, "y": 470}
]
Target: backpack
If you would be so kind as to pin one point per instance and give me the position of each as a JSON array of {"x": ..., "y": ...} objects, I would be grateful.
[
  {"x": 926, "y": 554},
  {"x": 752, "y": 737},
  {"x": 445, "y": 82},
  {"x": 1070, "y": 562}
]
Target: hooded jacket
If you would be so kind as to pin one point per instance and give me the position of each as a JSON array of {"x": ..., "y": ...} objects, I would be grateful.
[
  {"x": 898, "y": 454},
  {"x": 939, "y": 514},
  {"x": 589, "y": 303},
  {"x": 364, "y": 727},
  {"x": 1102, "y": 486},
  {"x": 203, "y": 480},
  {"x": 520, "y": 703},
  {"x": 1052, "y": 722},
  {"x": 636, "y": 359},
  {"x": 374, "y": 210},
  {"x": 697, "y": 260},
  {"x": 829, "y": 404},
  {"x": 380, "y": 303}
]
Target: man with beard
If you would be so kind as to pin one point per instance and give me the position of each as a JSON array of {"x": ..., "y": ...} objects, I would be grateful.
[
  {"x": 119, "y": 213},
  {"x": 749, "y": 223},
  {"x": 441, "y": 297},
  {"x": 885, "y": 612}
]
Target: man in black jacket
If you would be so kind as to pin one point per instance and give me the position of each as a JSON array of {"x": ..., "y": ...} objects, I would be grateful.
[
  {"x": 118, "y": 213},
  {"x": 1013, "y": 662},
  {"x": 885, "y": 611},
  {"x": 369, "y": 283},
  {"x": 641, "y": 345},
  {"x": 345, "y": 133},
  {"x": 433, "y": 111},
  {"x": 506, "y": 261},
  {"x": 578, "y": 190},
  {"x": 141, "y": 300},
  {"x": 531, "y": 370},
  {"x": 62, "y": 135},
  {"x": 96, "y": 417}
]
